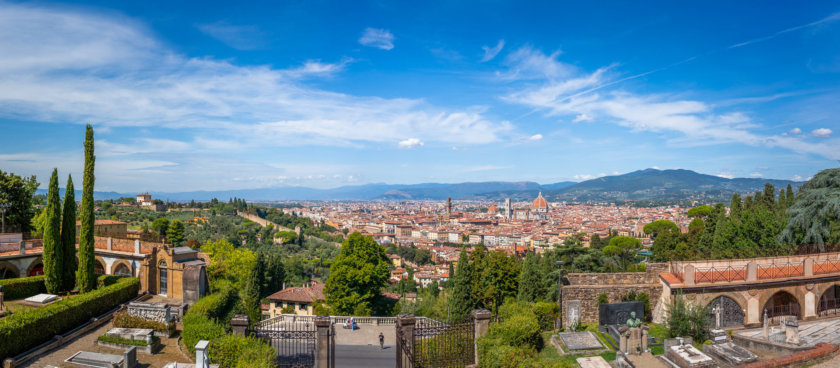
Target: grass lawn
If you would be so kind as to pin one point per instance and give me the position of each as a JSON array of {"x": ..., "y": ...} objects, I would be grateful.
[{"x": 549, "y": 352}]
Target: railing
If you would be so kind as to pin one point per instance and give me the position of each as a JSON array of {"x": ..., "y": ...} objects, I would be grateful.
[
  {"x": 720, "y": 274},
  {"x": 826, "y": 267},
  {"x": 828, "y": 307},
  {"x": 294, "y": 343},
  {"x": 778, "y": 312},
  {"x": 780, "y": 271},
  {"x": 294, "y": 318}
]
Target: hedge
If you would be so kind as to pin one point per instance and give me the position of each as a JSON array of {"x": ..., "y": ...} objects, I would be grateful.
[
  {"x": 198, "y": 327},
  {"x": 232, "y": 351},
  {"x": 120, "y": 340},
  {"x": 216, "y": 306},
  {"x": 23, "y": 287},
  {"x": 125, "y": 320},
  {"x": 36, "y": 326}
]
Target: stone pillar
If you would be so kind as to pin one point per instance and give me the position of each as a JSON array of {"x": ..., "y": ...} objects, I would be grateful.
[
  {"x": 136, "y": 246},
  {"x": 810, "y": 306},
  {"x": 405, "y": 335},
  {"x": 239, "y": 324},
  {"x": 22, "y": 247},
  {"x": 110, "y": 243},
  {"x": 322, "y": 342},
  {"x": 808, "y": 269},
  {"x": 688, "y": 275},
  {"x": 130, "y": 357},
  {"x": 752, "y": 271},
  {"x": 481, "y": 318},
  {"x": 202, "y": 359}
]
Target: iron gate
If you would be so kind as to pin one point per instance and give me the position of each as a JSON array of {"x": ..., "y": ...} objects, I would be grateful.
[
  {"x": 294, "y": 342},
  {"x": 731, "y": 314},
  {"x": 437, "y": 344}
]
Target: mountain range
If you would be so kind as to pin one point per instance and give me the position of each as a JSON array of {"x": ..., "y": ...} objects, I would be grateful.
[{"x": 642, "y": 185}]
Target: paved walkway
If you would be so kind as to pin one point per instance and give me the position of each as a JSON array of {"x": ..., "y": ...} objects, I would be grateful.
[
  {"x": 359, "y": 356},
  {"x": 364, "y": 335},
  {"x": 810, "y": 333}
]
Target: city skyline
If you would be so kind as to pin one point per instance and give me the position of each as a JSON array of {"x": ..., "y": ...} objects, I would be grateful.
[{"x": 223, "y": 97}]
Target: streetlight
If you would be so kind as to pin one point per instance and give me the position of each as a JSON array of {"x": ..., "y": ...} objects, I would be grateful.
[
  {"x": 560, "y": 294},
  {"x": 3, "y": 208}
]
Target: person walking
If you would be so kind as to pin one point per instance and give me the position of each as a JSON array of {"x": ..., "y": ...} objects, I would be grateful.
[{"x": 381, "y": 341}]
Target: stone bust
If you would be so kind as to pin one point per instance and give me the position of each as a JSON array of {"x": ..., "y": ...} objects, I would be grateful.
[{"x": 633, "y": 321}]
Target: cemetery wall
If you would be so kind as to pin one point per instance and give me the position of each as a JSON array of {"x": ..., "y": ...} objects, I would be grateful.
[{"x": 587, "y": 286}]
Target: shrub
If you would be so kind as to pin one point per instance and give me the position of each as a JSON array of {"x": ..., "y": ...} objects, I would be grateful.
[
  {"x": 125, "y": 320},
  {"x": 493, "y": 354},
  {"x": 107, "y": 280},
  {"x": 216, "y": 306},
  {"x": 23, "y": 287},
  {"x": 231, "y": 351},
  {"x": 603, "y": 299},
  {"x": 521, "y": 330},
  {"x": 35, "y": 326},
  {"x": 546, "y": 314},
  {"x": 288, "y": 310},
  {"x": 198, "y": 327},
  {"x": 687, "y": 320}
]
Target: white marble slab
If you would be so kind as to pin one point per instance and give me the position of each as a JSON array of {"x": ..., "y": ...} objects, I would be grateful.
[
  {"x": 42, "y": 298},
  {"x": 593, "y": 362}
]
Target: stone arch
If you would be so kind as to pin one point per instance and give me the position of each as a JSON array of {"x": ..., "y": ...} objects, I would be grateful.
[
  {"x": 99, "y": 266},
  {"x": 8, "y": 270},
  {"x": 828, "y": 299},
  {"x": 782, "y": 302},
  {"x": 122, "y": 267},
  {"x": 36, "y": 267},
  {"x": 732, "y": 312}
]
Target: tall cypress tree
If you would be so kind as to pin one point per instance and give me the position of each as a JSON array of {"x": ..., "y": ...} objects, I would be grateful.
[
  {"x": 53, "y": 249},
  {"x": 462, "y": 300},
  {"x": 253, "y": 290},
  {"x": 68, "y": 236},
  {"x": 85, "y": 278},
  {"x": 530, "y": 280}
]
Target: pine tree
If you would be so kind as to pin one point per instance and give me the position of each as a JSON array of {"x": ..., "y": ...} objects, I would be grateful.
[
  {"x": 175, "y": 233},
  {"x": 462, "y": 301},
  {"x": 53, "y": 249},
  {"x": 530, "y": 283},
  {"x": 68, "y": 236},
  {"x": 735, "y": 208},
  {"x": 85, "y": 278},
  {"x": 789, "y": 195}
]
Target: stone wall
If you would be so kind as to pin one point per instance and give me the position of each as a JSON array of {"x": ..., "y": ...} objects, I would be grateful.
[
  {"x": 587, "y": 286},
  {"x": 158, "y": 312}
]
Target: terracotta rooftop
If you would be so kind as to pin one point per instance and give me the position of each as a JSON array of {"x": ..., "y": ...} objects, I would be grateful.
[{"x": 299, "y": 294}]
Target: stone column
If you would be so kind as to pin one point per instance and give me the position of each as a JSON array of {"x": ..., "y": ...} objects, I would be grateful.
[
  {"x": 808, "y": 268},
  {"x": 130, "y": 357},
  {"x": 136, "y": 246},
  {"x": 481, "y": 318},
  {"x": 688, "y": 275},
  {"x": 405, "y": 335},
  {"x": 239, "y": 324},
  {"x": 202, "y": 359},
  {"x": 22, "y": 247},
  {"x": 322, "y": 342},
  {"x": 110, "y": 243}
]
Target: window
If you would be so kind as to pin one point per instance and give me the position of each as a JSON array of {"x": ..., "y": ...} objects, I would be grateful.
[{"x": 164, "y": 281}]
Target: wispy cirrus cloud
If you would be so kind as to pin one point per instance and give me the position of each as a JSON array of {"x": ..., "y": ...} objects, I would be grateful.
[
  {"x": 378, "y": 38},
  {"x": 491, "y": 52},
  {"x": 237, "y": 37}
]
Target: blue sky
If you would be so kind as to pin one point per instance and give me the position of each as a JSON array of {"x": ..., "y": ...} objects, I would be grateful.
[{"x": 208, "y": 95}]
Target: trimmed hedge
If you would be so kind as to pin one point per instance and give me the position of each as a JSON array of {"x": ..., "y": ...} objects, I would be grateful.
[
  {"x": 216, "y": 306},
  {"x": 120, "y": 340},
  {"x": 232, "y": 351},
  {"x": 36, "y": 326},
  {"x": 23, "y": 287},
  {"x": 125, "y": 320},
  {"x": 198, "y": 327}
]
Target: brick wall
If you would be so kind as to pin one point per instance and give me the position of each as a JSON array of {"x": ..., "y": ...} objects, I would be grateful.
[
  {"x": 587, "y": 286},
  {"x": 820, "y": 352}
]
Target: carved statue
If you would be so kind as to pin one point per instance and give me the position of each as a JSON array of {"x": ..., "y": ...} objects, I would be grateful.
[{"x": 633, "y": 321}]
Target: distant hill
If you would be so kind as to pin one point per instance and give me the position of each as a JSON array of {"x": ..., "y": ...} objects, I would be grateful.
[
  {"x": 662, "y": 185},
  {"x": 642, "y": 185}
]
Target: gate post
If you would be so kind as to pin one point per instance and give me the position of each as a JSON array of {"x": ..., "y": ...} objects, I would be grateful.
[
  {"x": 322, "y": 342},
  {"x": 239, "y": 324},
  {"x": 481, "y": 318},
  {"x": 405, "y": 340}
]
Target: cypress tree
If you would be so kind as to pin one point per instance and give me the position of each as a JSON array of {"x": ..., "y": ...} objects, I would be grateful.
[
  {"x": 789, "y": 195},
  {"x": 530, "y": 283},
  {"x": 85, "y": 278},
  {"x": 253, "y": 290},
  {"x": 68, "y": 236},
  {"x": 735, "y": 207},
  {"x": 462, "y": 301},
  {"x": 53, "y": 249}
]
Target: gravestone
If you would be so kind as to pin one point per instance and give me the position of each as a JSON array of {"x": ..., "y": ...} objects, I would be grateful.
[
  {"x": 572, "y": 313},
  {"x": 144, "y": 334},
  {"x": 42, "y": 298},
  {"x": 730, "y": 353},
  {"x": 580, "y": 340},
  {"x": 619, "y": 313},
  {"x": 90, "y": 359},
  {"x": 158, "y": 312},
  {"x": 681, "y": 352},
  {"x": 593, "y": 362}
]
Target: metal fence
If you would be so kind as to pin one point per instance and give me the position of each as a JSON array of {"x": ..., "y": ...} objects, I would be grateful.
[
  {"x": 778, "y": 312},
  {"x": 437, "y": 344},
  {"x": 720, "y": 274},
  {"x": 828, "y": 307},
  {"x": 778, "y": 271}
]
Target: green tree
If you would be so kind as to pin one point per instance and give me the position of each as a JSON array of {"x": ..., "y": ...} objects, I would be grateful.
[
  {"x": 462, "y": 301},
  {"x": 815, "y": 212},
  {"x": 85, "y": 277},
  {"x": 228, "y": 262},
  {"x": 357, "y": 276},
  {"x": 530, "y": 281},
  {"x": 68, "y": 237},
  {"x": 595, "y": 242},
  {"x": 499, "y": 279},
  {"x": 175, "y": 232},
  {"x": 53, "y": 249},
  {"x": 275, "y": 274},
  {"x": 160, "y": 225},
  {"x": 700, "y": 211},
  {"x": 657, "y": 226},
  {"x": 18, "y": 193},
  {"x": 254, "y": 289},
  {"x": 735, "y": 207}
]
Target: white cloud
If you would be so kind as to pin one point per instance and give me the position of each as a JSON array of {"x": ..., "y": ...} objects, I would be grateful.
[
  {"x": 756, "y": 175},
  {"x": 565, "y": 91},
  {"x": 796, "y": 131},
  {"x": 655, "y": 167},
  {"x": 583, "y": 117},
  {"x": 796, "y": 178},
  {"x": 583, "y": 177},
  {"x": 725, "y": 175},
  {"x": 410, "y": 143},
  {"x": 491, "y": 52},
  {"x": 535, "y": 137},
  {"x": 238, "y": 37},
  {"x": 379, "y": 38},
  {"x": 821, "y": 133},
  {"x": 58, "y": 66}
]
